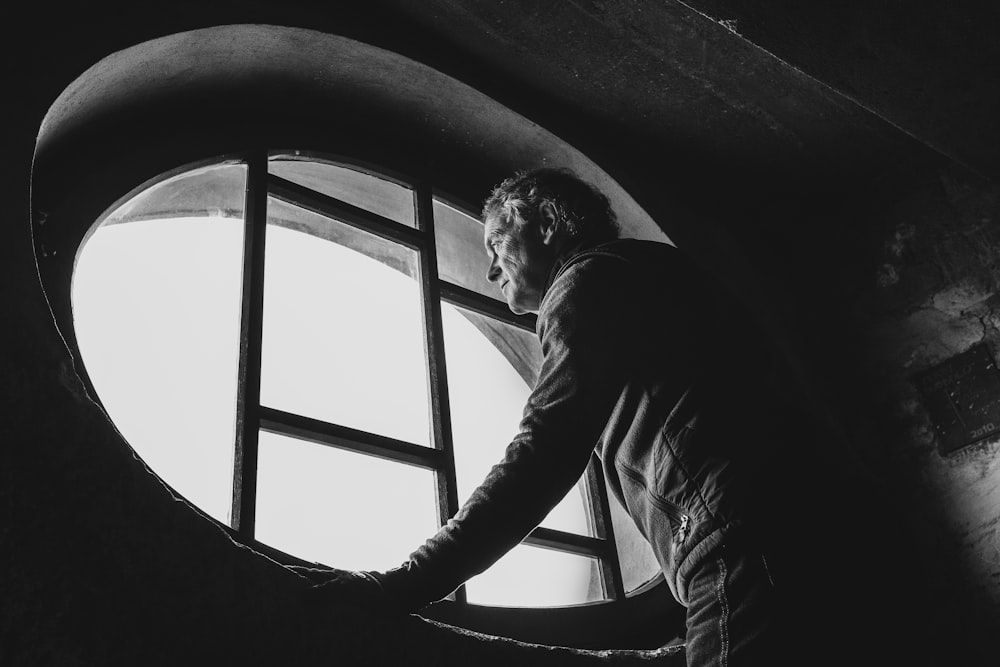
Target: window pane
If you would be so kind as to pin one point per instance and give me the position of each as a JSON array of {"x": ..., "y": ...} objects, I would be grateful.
[
  {"x": 490, "y": 365},
  {"x": 156, "y": 308},
  {"x": 339, "y": 508},
  {"x": 372, "y": 193},
  {"x": 213, "y": 191},
  {"x": 530, "y": 576},
  {"x": 461, "y": 257},
  {"x": 343, "y": 332}
]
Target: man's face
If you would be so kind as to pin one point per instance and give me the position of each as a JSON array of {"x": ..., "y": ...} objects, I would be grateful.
[{"x": 520, "y": 261}]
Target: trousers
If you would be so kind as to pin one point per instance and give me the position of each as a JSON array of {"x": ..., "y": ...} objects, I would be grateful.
[
  {"x": 732, "y": 611},
  {"x": 747, "y": 607}
]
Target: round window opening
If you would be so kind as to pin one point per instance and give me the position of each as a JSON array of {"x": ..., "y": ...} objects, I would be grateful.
[{"x": 349, "y": 468}]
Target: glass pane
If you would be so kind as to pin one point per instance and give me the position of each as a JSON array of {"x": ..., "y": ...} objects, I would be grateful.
[
  {"x": 372, "y": 193},
  {"x": 343, "y": 333},
  {"x": 490, "y": 368},
  {"x": 533, "y": 577},
  {"x": 156, "y": 309},
  {"x": 339, "y": 508},
  {"x": 213, "y": 191},
  {"x": 462, "y": 260}
]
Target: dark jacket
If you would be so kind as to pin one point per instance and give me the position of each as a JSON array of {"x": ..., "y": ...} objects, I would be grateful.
[{"x": 643, "y": 360}]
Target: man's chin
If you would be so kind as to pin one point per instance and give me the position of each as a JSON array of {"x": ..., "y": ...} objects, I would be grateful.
[
  {"x": 516, "y": 307},
  {"x": 520, "y": 309}
]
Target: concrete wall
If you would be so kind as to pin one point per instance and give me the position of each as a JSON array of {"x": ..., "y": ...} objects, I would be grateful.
[
  {"x": 935, "y": 296},
  {"x": 889, "y": 282}
]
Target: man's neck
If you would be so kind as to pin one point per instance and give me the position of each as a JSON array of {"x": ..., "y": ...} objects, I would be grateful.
[{"x": 566, "y": 251}]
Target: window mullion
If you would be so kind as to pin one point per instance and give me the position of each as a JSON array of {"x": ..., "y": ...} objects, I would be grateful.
[
  {"x": 251, "y": 334},
  {"x": 359, "y": 218},
  {"x": 441, "y": 435},
  {"x": 600, "y": 513},
  {"x": 560, "y": 540},
  {"x": 484, "y": 305},
  {"x": 349, "y": 439}
]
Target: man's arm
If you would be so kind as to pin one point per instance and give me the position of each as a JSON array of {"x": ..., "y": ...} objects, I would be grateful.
[{"x": 584, "y": 324}]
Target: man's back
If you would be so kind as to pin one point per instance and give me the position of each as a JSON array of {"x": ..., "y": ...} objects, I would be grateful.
[{"x": 689, "y": 432}]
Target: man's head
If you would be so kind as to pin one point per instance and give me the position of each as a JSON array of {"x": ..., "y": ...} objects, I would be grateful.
[{"x": 533, "y": 220}]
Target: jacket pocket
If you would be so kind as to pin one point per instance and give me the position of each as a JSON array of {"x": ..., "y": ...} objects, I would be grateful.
[{"x": 649, "y": 509}]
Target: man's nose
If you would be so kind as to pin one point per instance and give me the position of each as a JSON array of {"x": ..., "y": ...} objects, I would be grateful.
[{"x": 493, "y": 273}]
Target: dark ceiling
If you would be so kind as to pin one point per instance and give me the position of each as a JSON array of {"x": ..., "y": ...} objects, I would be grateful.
[
  {"x": 756, "y": 115},
  {"x": 767, "y": 82},
  {"x": 752, "y": 92}
]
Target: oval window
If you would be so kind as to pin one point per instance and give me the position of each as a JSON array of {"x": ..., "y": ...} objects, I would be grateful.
[{"x": 349, "y": 470}]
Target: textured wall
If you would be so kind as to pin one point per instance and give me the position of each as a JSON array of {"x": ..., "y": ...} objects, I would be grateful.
[
  {"x": 887, "y": 282},
  {"x": 935, "y": 296}
]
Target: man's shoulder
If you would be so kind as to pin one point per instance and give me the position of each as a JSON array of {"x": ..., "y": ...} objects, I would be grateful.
[
  {"x": 615, "y": 281},
  {"x": 622, "y": 252},
  {"x": 609, "y": 271}
]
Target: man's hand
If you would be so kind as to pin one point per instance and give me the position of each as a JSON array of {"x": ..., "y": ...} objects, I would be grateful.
[{"x": 359, "y": 588}]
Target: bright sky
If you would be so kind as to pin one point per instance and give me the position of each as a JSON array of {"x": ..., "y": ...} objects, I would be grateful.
[{"x": 156, "y": 310}]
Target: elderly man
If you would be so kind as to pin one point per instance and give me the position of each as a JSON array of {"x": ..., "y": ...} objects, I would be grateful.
[{"x": 698, "y": 431}]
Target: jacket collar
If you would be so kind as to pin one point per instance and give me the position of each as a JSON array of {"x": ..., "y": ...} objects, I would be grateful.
[{"x": 567, "y": 258}]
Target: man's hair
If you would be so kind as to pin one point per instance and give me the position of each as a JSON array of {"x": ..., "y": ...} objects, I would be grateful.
[{"x": 583, "y": 212}]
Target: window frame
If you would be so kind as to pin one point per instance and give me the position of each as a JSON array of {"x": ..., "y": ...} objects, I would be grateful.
[
  {"x": 126, "y": 123},
  {"x": 252, "y": 417},
  {"x": 645, "y": 618}
]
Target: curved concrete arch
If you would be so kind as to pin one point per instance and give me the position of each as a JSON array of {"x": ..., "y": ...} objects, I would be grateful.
[
  {"x": 149, "y": 109},
  {"x": 234, "y": 78},
  {"x": 161, "y": 106}
]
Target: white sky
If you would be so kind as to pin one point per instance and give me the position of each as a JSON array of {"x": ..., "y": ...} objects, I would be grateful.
[{"x": 156, "y": 311}]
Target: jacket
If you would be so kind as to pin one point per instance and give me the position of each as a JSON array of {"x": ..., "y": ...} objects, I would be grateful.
[{"x": 644, "y": 361}]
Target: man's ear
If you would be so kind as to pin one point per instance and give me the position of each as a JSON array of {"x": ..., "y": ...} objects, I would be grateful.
[{"x": 548, "y": 222}]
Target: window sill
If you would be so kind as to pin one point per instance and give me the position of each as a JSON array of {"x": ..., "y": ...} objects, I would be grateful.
[{"x": 647, "y": 619}]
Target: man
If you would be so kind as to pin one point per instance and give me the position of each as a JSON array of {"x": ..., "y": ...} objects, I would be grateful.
[{"x": 701, "y": 438}]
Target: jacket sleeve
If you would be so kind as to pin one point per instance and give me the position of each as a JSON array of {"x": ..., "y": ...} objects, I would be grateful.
[{"x": 583, "y": 324}]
